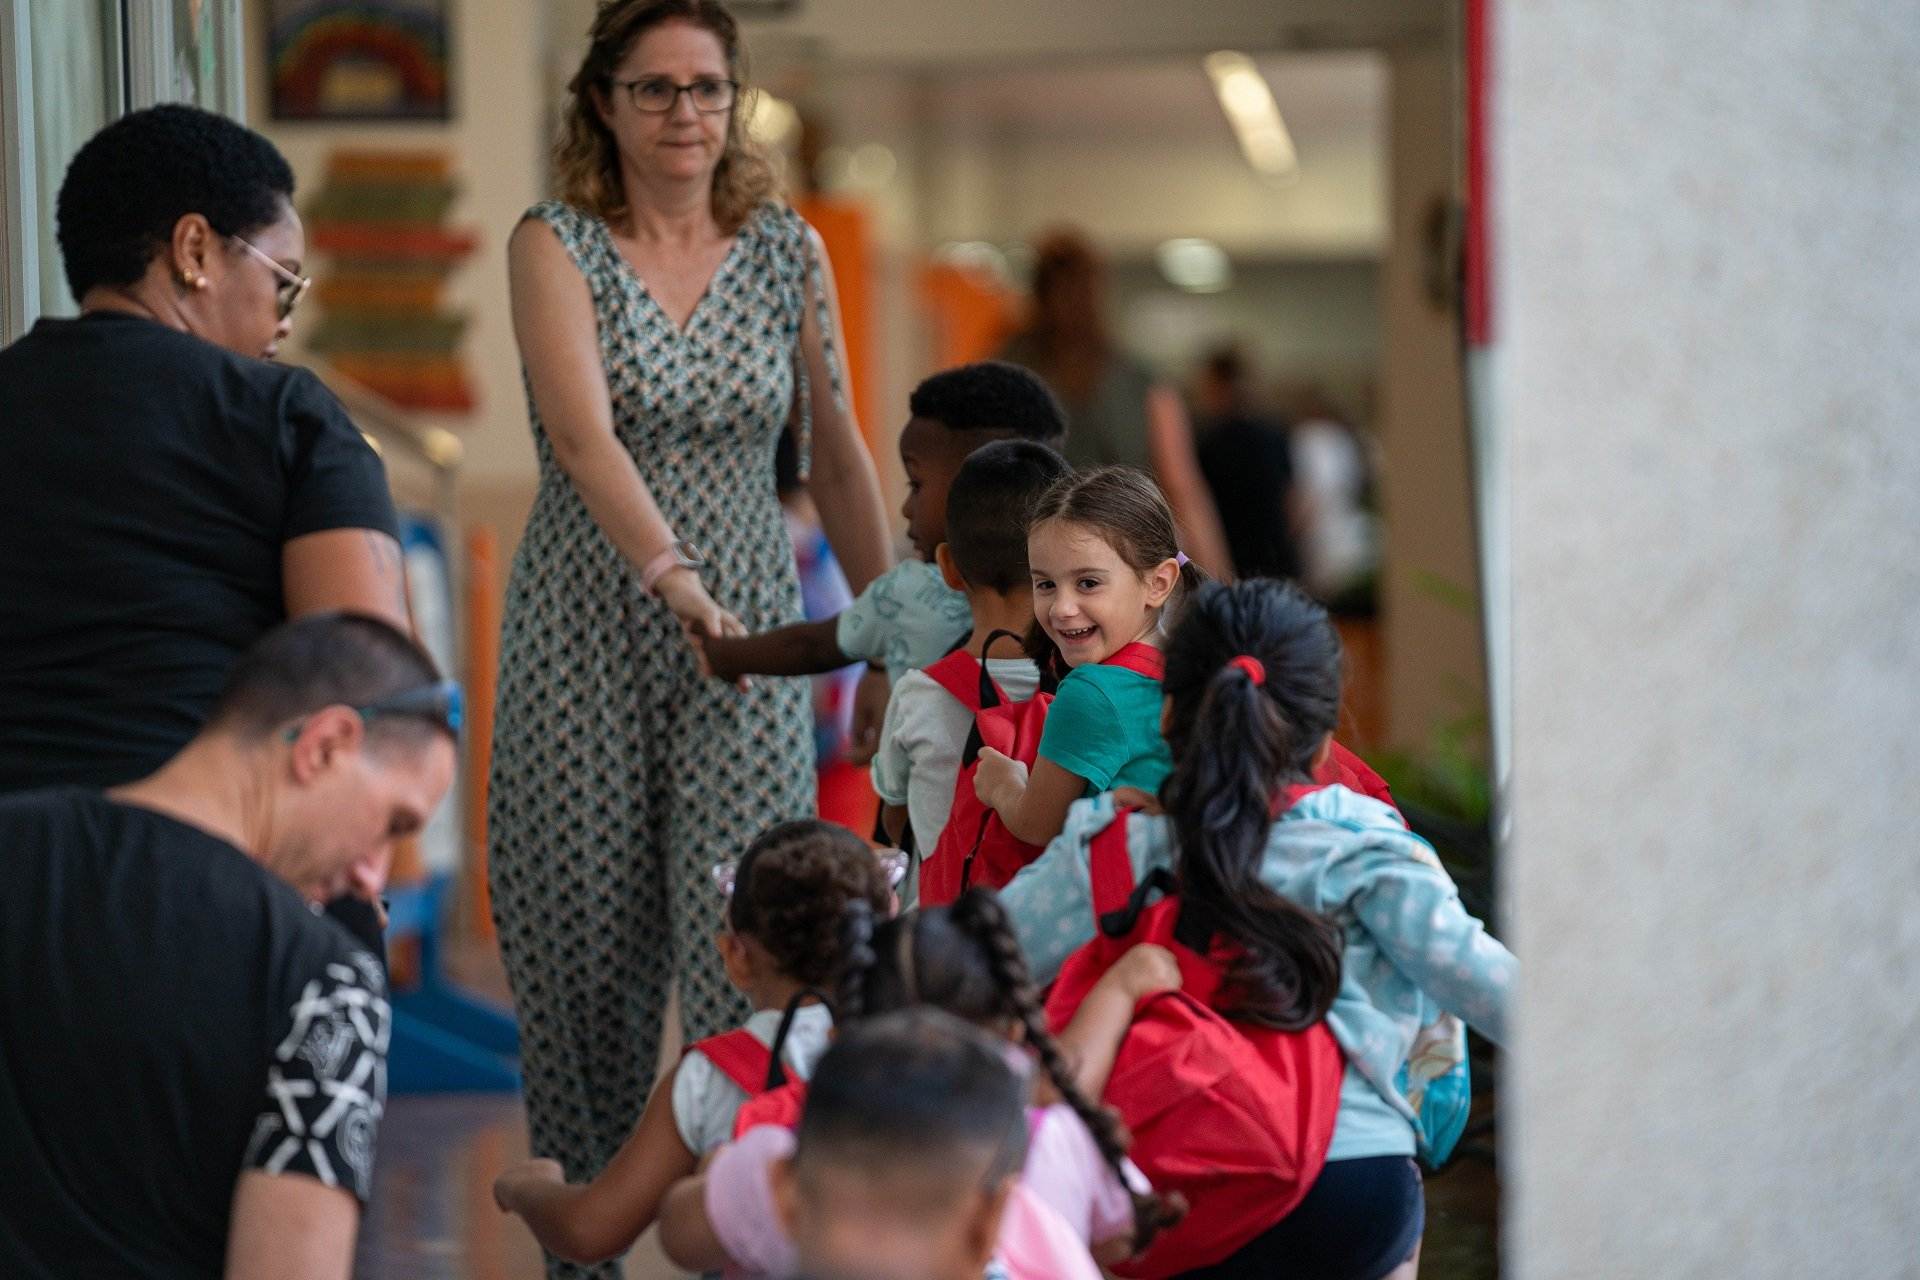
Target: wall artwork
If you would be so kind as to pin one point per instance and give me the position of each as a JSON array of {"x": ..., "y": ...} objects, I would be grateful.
[
  {"x": 381, "y": 217},
  {"x": 358, "y": 59}
]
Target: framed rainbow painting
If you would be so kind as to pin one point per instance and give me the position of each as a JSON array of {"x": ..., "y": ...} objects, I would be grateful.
[{"x": 358, "y": 59}]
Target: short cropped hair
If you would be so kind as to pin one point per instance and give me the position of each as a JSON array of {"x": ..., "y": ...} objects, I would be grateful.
[
  {"x": 915, "y": 1088},
  {"x": 989, "y": 506},
  {"x": 991, "y": 395},
  {"x": 324, "y": 660},
  {"x": 132, "y": 181}
]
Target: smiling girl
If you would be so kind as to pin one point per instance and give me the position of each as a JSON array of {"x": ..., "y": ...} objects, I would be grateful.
[{"x": 1106, "y": 567}]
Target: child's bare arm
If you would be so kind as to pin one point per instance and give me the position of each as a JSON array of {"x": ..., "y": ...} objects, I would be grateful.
[
  {"x": 686, "y": 1234},
  {"x": 601, "y": 1219},
  {"x": 1034, "y": 806},
  {"x": 1092, "y": 1038},
  {"x": 893, "y": 817},
  {"x": 803, "y": 649}
]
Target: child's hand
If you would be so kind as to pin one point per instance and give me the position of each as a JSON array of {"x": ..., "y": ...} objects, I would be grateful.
[
  {"x": 1135, "y": 798},
  {"x": 999, "y": 780},
  {"x": 715, "y": 656},
  {"x": 509, "y": 1185},
  {"x": 1144, "y": 970},
  {"x": 869, "y": 714}
]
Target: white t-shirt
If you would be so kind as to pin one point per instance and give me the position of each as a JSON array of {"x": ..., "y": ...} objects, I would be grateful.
[
  {"x": 921, "y": 740},
  {"x": 705, "y": 1101}
]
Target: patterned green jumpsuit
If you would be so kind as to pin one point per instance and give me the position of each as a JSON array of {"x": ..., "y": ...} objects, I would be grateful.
[{"x": 620, "y": 776}]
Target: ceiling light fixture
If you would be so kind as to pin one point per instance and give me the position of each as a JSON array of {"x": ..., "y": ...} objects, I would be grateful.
[
  {"x": 1248, "y": 102},
  {"x": 1193, "y": 264}
]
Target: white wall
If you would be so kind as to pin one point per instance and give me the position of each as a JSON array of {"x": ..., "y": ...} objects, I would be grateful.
[
  {"x": 497, "y": 137},
  {"x": 1708, "y": 307}
]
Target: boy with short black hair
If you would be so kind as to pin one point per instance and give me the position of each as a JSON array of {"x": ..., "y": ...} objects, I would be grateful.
[
  {"x": 985, "y": 556},
  {"x": 908, "y": 616},
  {"x": 906, "y": 1163}
]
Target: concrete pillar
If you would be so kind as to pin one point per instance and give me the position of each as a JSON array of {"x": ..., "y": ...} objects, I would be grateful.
[
  {"x": 1708, "y": 309},
  {"x": 1435, "y": 654}
]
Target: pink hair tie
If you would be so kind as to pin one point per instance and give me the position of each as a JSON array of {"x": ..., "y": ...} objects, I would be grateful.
[
  {"x": 1180, "y": 559},
  {"x": 1252, "y": 666}
]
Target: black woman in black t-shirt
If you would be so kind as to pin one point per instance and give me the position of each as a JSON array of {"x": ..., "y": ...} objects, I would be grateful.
[{"x": 170, "y": 492}]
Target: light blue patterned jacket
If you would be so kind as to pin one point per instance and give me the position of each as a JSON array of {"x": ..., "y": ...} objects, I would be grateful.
[{"x": 1412, "y": 950}]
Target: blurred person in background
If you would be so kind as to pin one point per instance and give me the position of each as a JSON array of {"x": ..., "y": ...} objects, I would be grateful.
[
  {"x": 1117, "y": 411},
  {"x": 1334, "y": 469},
  {"x": 1247, "y": 459}
]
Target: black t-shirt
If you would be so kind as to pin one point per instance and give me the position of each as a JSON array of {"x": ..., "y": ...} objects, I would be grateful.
[
  {"x": 148, "y": 481},
  {"x": 1248, "y": 464},
  {"x": 171, "y": 1014}
]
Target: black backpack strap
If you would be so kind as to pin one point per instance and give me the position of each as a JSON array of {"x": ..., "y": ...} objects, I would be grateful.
[
  {"x": 989, "y": 693},
  {"x": 1118, "y": 924},
  {"x": 776, "y": 1070}
]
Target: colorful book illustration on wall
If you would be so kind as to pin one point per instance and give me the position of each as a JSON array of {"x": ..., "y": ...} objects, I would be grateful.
[{"x": 380, "y": 220}]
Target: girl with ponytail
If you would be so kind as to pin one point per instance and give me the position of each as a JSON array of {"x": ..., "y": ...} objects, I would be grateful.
[
  {"x": 965, "y": 960},
  {"x": 1337, "y": 910}
]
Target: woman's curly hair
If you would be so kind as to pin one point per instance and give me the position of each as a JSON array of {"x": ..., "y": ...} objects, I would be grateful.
[{"x": 586, "y": 159}]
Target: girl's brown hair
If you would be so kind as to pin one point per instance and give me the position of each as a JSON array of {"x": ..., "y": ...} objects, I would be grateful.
[
  {"x": 587, "y": 159},
  {"x": 1129, "y": 513},
  {"x": 791, "y": 892}
]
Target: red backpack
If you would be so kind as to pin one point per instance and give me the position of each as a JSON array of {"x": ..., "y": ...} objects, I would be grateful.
[
  {"x": 976, "y": 848},
  {"x": 1343, "y": 768},
  {"x": 758, "y": 1070},
  {"x": 780, "y": 1107},
  {"x": 1236, "y": 1118}
]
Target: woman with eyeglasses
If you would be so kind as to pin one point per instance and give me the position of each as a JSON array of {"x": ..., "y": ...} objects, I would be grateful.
[
  {"x": 673, "y": 319},
  {"x": 170, "y": 493}
]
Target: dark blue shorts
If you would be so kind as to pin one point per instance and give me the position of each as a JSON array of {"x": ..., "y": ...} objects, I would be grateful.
[{"x": 1362, "y": 1219}]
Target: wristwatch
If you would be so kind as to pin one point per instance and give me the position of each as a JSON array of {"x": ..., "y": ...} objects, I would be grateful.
[{"x": 678, "y": 555}]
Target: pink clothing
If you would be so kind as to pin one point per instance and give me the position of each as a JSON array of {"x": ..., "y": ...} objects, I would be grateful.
[
  {"x": 1065, "y": 1169},
  {"x": 1037, "y": 1244},
  {"x": 1066, "y": 1199}
]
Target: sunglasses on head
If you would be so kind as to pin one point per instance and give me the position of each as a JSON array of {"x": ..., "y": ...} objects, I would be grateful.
[
  {"x": 893, "y": 861},
  {"x": 441, "y": 702}
]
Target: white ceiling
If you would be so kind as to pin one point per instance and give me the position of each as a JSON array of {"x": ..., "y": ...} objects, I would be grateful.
[
  {"x": 1319, "y": 95},
  {"x": 949, "y": 32}
]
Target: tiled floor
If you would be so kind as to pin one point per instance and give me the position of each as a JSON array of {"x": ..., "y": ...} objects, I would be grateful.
[{"x": 433, "y": 1216}]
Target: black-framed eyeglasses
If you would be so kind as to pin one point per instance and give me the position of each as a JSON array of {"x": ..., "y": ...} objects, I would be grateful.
[
  {"x": 292, "y": 287},
  {"x": 657, "y": 95},
  {"x": 443, "y": 703}
]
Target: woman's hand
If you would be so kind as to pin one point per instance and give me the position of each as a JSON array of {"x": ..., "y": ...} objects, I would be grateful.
[
  {"x": 999, "y": 781},
  {"x": 507, "y": 1188},
  {"x": 700, "y": 617}
]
